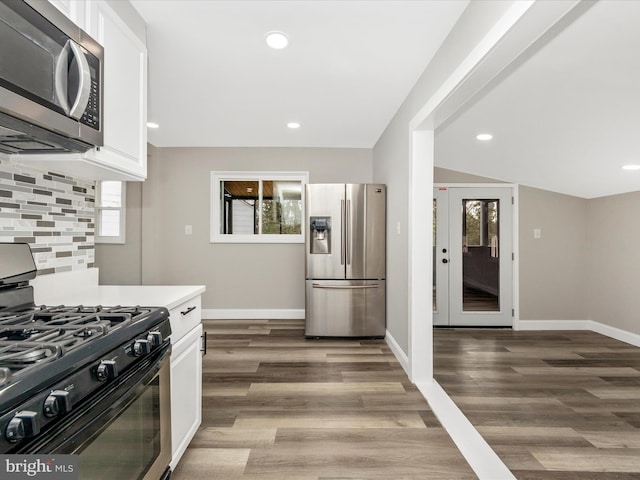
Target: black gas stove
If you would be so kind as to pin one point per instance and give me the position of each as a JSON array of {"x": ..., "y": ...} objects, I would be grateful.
[{"x": 56, "y": 360}]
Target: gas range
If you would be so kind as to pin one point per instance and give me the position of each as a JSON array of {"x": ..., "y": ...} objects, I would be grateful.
[
  {"x": 52, "y": 359},
  {"x": 57, "y": 362}
]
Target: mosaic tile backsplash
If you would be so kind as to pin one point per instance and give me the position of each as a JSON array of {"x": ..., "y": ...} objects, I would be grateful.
[{"x": 53, "y": 213}]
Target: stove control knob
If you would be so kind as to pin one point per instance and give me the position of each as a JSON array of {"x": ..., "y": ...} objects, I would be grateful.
[
  {"x": 56, "y": 403},
  {"x": 141, "y": 347},
  {"x": 154, "y": 339},
  {"x": 107, "y": 370},
  {"x": 24, "y": 424}
]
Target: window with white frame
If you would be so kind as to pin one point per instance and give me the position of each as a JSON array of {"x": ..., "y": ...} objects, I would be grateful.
[
  {"x": 257, "y": 207},
  {"x": 110, "y": 211}
]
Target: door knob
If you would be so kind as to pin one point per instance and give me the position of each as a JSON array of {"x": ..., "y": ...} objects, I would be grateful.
[{"x": 444, "y": 260}]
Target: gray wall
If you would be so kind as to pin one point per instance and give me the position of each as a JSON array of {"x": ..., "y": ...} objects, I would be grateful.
[
  {"x": 391, "y": 154},
  {"x": 614, "y": 263},
  {"x": 444, "y": 175},
  {"x": 237, "y": 276},
  {"x": 122, "y": 264},
  {"x": 554, "y": 268}
]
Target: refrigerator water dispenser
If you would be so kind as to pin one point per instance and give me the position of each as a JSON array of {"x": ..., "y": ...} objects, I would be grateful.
[{"x": 320, "y": 228}]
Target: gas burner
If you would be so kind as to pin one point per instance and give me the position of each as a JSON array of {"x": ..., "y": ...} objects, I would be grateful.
[
  {"x": 18, "y": 334},
  {"x": 17, "y": 356},
  {"x": 28, "y": 357}
]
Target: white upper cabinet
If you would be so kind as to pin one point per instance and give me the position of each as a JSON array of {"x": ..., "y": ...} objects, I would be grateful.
[
  {"x": 125, "y": 93},
  {"x": 72, "y": 9}
]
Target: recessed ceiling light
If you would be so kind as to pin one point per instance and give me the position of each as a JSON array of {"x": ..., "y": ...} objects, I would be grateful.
[
  {"x": 293, "y": 125},
  {"x": 152, "y": 125},
  {"x": 631, "y": 167},
  {"x": 484, "y": 137},
  {"x": 277, "y": 40}
]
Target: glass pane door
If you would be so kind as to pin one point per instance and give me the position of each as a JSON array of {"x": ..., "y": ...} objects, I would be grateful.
[
  {"x": 480, "y": 255},
  {"x": 472, "y": 260}
]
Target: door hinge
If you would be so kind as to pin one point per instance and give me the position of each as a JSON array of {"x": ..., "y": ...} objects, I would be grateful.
[
  {"x": 513, "y": 312},
  {"x": 513, "y": 200},
  {"x": 513, "y": 256}
]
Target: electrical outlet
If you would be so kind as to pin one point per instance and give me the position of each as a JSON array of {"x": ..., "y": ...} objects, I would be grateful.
[
  {"x": 188, "y": 229},
  {"x": 537, "y": 233}
]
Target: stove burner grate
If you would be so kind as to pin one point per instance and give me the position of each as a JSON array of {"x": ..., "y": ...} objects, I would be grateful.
[{"x": 43, "y": 334}]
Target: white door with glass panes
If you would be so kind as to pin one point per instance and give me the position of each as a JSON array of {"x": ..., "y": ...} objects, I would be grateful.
[{"x": 472, "y": 256}]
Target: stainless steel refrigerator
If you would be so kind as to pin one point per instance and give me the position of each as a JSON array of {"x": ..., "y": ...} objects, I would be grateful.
[{"x": 346, "y": 260}]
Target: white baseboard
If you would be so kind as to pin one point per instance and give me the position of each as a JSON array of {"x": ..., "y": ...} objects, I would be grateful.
[
  {"x": 402, "y": 357},
  {"x": 617, "y": 333},
  {"x": 481, "y": 458},
  {"x": 601, "y": 328},
  {"x": 553, "y": 325},
  {"x": 252, "y": 314}
]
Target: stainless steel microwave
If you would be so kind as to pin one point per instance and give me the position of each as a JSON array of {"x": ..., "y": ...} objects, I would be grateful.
[{"x": 51, "y": 81}]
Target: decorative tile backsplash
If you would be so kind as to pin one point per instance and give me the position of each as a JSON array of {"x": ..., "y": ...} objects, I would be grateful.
[{"x": 53, "y": 213}]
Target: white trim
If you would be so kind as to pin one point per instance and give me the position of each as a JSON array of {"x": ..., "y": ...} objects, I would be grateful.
[
  {"x": 215, "y": 208},
  {"x": 515, "y": 295},
  {"x": 421, "y": 162},
  {"x": 419, "y": 229},
  {"x": 252, "y": 314},
  {"x": 614, "y": 332},
  {"x": 554, "y": 325},
  {"x": 402, "y": 358},
  {"x": 591, "y": 325},
  {"x": 481, "y": 458}
]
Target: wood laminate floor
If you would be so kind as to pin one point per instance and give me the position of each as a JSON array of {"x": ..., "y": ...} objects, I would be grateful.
[
  {"x": 279, "y": 407},
  {"x": 553, "y": 405}
]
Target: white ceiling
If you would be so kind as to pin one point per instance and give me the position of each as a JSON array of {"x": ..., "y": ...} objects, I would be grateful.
[
  {"x": 348, "y": 68},
  {"x": 567, "y": 119}
]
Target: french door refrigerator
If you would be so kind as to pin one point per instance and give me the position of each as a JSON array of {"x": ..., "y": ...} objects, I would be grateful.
[{"x": 345, "y": 260}]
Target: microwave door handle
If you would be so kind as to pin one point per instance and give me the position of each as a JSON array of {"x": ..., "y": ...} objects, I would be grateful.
[
  {"x": 84, "y": 84},
  {"x": 61, "y": 75}
]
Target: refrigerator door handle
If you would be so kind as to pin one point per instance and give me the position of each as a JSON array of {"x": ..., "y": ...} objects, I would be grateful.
[
  {"x": 347, "y": 238},
  {"x": 345, "y": 287},
  {"x": 343, "y": 238}
]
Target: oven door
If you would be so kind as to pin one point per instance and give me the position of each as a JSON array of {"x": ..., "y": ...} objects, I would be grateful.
[{"x": 124, "y": 432}]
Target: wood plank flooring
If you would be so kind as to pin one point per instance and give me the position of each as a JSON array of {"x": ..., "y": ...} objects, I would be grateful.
[
  {"x": 553, "y": 405},
  {"x": 279, "y": 407}
]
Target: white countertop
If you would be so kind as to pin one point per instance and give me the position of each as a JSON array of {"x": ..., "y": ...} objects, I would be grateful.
[{"x": 168, "y": 296}]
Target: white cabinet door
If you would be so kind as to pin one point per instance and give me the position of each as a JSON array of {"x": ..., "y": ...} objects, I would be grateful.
[
  {"x": 124, "y": 93},
  {"x": 186, "y": 392}
]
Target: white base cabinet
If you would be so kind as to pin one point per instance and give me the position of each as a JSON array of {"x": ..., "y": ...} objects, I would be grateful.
[
  {"x": 186, "y": 375},
  {"x": 186, "y": 393}
]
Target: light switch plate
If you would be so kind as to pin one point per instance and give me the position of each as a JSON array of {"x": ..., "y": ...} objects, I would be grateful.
[
  {"x": 537, "y": 233},
  {"x": 188, "y": 229}
]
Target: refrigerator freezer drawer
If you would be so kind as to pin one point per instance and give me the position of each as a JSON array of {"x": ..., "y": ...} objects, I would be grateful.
[{"x": 345, "y": 308}]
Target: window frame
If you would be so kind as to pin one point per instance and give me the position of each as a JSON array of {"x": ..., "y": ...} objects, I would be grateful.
[
  {"x": 120, "y": 239},
  {"x": 216, "y": 206}
]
